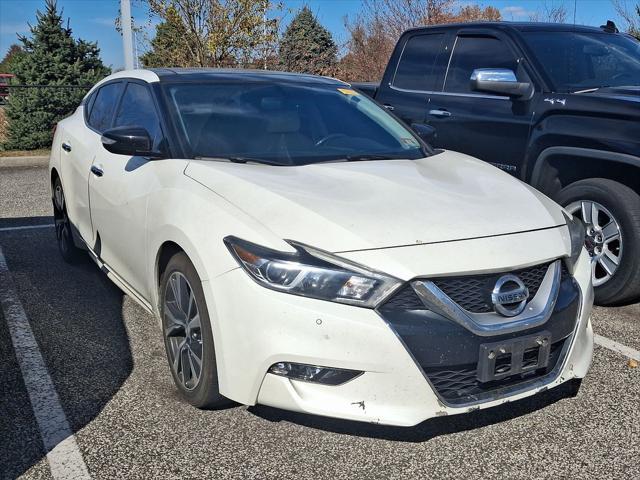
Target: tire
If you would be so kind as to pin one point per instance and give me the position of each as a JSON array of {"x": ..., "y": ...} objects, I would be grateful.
[
  {"x": 622, "y": 204},
  {"x": 188, "y": 342},
  {"x": 64, "y": 236}
]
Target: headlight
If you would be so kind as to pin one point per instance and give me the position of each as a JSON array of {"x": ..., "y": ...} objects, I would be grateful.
[
  {"x": 577, "y": 234},
  {"x": 312, "y": 273}
]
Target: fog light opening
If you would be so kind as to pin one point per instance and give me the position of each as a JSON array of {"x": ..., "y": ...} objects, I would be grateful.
[{"x": 313, "y": 373}]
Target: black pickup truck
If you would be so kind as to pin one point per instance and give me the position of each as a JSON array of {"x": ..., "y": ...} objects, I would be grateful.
[{"x": 557, "y": 106}]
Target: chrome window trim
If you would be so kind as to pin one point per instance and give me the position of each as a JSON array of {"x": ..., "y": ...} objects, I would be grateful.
[
  {"x": 432, "y": 92},
  {"x": 537, "y": 312}
]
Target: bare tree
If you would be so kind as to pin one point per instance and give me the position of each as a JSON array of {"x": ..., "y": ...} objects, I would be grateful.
[
  {"x": 630, "y": 15},
  {"x": 374, "y": 33},
  {"x": 550, "y": 12}
]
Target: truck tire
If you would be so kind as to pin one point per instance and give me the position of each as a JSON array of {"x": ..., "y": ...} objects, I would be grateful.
[{"x": 611, "y": 213}]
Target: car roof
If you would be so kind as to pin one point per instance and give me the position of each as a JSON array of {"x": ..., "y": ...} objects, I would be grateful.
[
  {"x": 238, "y": 74},
  {"x": 519, "y": 26}
]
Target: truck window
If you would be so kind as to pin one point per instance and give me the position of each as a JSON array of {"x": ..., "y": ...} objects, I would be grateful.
[
  {"x": 416, "y": 68},
  {"x": 582, "y": 61},
  {"x": 470, "y": 53}
]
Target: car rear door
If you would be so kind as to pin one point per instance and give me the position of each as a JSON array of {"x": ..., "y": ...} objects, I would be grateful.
[
  {"x": 80, "y": 140},
  {"x": 119, "y": 187},
  {"x": 491, "y": 127},
  {"x": 420, "y": 60}
]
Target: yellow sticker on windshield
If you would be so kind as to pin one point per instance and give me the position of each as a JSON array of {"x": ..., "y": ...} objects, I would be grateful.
[{"x": 347, "y": 91}]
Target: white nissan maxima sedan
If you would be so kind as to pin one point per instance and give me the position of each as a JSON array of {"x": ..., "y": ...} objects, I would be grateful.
[{"x": 303, "y": 249}]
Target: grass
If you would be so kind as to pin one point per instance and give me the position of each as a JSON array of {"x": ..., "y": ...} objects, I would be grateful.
[{"x": 25, "y": 153}]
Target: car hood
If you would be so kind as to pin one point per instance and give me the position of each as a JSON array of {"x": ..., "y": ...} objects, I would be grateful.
[{"x": 351, "y": 206}]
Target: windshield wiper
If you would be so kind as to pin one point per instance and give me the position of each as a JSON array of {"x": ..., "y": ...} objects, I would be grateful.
[
  {"x": 365, "y": 156},
  {"x": 238, "y": 159}
]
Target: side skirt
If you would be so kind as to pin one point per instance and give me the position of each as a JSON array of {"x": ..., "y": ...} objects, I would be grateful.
[{"x": 119, "y": 281}]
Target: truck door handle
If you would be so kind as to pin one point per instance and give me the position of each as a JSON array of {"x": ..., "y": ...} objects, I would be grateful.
[
  {"x": 97, "y": 171},
  {"x": 66, "y": 147},
  {"x": 391, "y": 108},
  {"x": 440, "y": 113}
]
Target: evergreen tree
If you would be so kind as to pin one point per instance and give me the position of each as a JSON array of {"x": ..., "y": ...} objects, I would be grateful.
[
  {"x": 14, "y": 53},
  {"x": 168, "y": 48},
  {"x": 307, "y": 46},
  {"x": 52, "y": 58}
]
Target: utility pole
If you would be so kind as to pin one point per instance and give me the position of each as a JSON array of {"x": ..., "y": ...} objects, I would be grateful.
[{"x": 127, "y": 40}]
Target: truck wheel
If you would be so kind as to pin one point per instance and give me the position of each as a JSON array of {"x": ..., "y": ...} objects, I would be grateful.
[
  {"x": 188, "y": 337},
  {"x": 611, "y": 213}
]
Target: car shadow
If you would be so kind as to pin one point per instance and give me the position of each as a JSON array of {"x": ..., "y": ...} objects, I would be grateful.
[
  {"x": 76, "y": 317},
  {"x": 426, "y": 430}
]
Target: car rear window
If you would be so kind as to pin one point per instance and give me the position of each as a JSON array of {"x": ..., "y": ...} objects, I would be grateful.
[
  {"x": 416, "y": 68},
  {"x": 104, "y": 105}
]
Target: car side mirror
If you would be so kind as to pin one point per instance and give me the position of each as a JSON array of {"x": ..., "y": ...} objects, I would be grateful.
[
  {"x": 131, "y": 141},
  {"x": 426, "y": 132},
  {"x": 501, "y": 81}
]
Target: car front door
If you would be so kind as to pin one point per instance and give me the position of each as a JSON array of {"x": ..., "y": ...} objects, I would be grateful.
[
  {"x": 491, "y": 127},
  {"x": 119, "y": 188},
  {"x": 79, "y": 142}
]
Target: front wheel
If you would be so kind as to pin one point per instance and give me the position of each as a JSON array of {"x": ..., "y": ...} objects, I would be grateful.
[
  {"x": 187, "y": 334},
  {"x": 611, "y": 214}
]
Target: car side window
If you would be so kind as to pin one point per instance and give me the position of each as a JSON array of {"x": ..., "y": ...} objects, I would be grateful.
[
  {"x": 104, "y": 105},
  {"x": 138, "y": 110},
  {"x": 471, "y": 53},
  {"x": 416, "y": 68}
]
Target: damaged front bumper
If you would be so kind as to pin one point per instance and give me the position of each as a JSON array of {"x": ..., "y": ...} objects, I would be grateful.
[{"x": 414, "y": 362}]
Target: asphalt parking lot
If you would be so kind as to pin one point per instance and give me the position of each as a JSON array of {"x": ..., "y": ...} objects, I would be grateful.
[{"x": 106, "y": 361}]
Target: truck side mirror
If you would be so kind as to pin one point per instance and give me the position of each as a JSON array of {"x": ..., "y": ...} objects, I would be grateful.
[
  {"x": 426, "y": 132},
  {"x": 501, "y": 81}
]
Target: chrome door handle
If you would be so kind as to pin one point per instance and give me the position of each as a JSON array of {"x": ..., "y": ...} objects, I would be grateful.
[
  {"x": 66, "y": 147},
  {"x": 391, "y": 108},
  {"x": 440, "y": 113},
  {"x": 97, "y": 171}
]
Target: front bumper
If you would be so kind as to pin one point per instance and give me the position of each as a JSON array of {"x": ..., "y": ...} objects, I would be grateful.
[{"x": 255, "y": 327}]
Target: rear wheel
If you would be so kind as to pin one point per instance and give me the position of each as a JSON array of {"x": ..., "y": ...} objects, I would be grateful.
[
  {"x": 611, "y": 214},
  {"x": 70, "y": 253},
  {"x": 187, "y": 334}
]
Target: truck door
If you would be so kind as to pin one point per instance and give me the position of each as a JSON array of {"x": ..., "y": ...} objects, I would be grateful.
[
  {"x": 491, "y": 127},
  {"x": 420, "y": 60}
]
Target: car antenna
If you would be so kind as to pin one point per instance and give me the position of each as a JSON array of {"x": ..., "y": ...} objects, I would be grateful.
[{"x": 610, "y": 27}]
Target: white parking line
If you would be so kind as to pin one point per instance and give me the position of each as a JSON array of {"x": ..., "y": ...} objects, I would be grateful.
[
  {"x": 26, "y": 227},
  {"x": 63, "y": 454},
  {"x": 616, "y": 347}
]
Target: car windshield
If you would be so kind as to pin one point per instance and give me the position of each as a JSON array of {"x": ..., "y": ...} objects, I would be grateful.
[
  {"x": 287, "y": 124},
  {"x": 583, "y": 61}
]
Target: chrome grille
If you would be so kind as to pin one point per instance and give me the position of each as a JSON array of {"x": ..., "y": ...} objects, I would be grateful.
[{"x": 473, "y": 293}]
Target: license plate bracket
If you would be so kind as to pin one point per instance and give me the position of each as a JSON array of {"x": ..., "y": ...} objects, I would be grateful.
[{"x": 506, "y": 358}]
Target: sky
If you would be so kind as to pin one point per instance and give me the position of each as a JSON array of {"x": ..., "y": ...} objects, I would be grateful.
[{"x": 94, "y": 19}]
